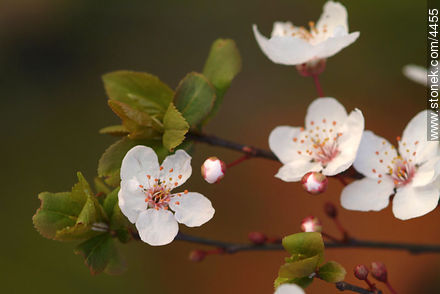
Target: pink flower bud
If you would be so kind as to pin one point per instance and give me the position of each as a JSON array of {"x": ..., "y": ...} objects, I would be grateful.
[
  {"x": 197, "y": 255},
  {"x": 213, "y": 170},
  {"x": 314, "y": 182},
  {"x": 257, "y": 238},
  {"x": 311, "y": 224},
  {"x": 379, "y": 271},
  {"x": 311, "y": 68},
  {"x": 361, "y": 272},
  {"x": 330, "y": 210}
]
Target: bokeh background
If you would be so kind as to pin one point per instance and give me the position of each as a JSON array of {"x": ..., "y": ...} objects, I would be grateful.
[{"x": 52, "y": 54}]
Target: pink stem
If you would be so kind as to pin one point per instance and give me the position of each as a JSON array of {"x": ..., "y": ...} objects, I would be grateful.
[
  {"x": 238, "y": 161},
  {"x": 390, "y": 288},
  {"x": 318, "y": 85}
]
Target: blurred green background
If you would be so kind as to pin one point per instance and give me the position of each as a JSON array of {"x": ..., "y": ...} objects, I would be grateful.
[{"x": 52, "y": 54}]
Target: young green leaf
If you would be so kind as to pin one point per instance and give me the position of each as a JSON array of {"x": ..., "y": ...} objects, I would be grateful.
[
  {"x": 175, "y": 127},
  {"x": 117, "y": 131},
  {"x": 222, "y": 65},
  {"x": 332, "y": 272},
  {"x": 118, "y": 222},
  {"x": 141, "y": 91},
  {"x": 70, "y": 215},
  {"x": 299, "y": 269},
  {"x": 305, "y": 244},
  {"x": 302, "y": 282},
  {"x": 100, "y": 254},
  {"x": 57, "y": 211},
  {"x": 139, "y": 124},
  {"x": 194, "y": 98},
  {"x": 110, "y": 162}
]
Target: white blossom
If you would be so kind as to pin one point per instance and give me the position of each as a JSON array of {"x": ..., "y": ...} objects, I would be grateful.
[
  {"x": 328, "y": 143},
  {"x": 410, "y": 172},
  {"x": 292, "y": 45},
  {"x": 145, "y": 196}
]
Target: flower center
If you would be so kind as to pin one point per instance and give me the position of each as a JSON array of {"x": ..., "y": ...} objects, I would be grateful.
[
  {"x": 402, "y": 173},
  {"x": 319, "y": 141},
  {"x": 156, "y": 197},
  {"x": 312, "y": 35},
  {"x": 401, "y": 168}
]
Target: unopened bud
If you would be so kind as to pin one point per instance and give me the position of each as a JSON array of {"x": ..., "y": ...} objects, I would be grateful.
[
  {"x": 379, "y": 271},
  {"x": 311, "y": 224},
  {"x": 361, "y": 272},
  {"x": 257, "y": 238},
  {"x": 314, "y": 182},
  {"x": 330, "y": 210},
  {"x": 213, "y": 170},
  {"x": 197, "y": 255},
  {"x": 311, "y": 68}
]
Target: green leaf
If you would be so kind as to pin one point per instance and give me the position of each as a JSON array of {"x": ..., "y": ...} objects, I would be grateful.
[
  {"x": 299, "y": 269},
  {"x": 70, "y": 215},
  {"x": 222, "y": 65},
  {"x": 194, "y": 98},
  {"x": 302, "y": 245},
  {"x": 332, "y": 272},
  {"x": 101, "y": 188},
  {"x": 139, "y": 124},
  {"x": 57, "y": 211},
  {"x": 302, "y": 282},
  {"x": 118, "y": 222},
  {"x": 142, "y": 91},
  {"x": 109, "y": 164},
  {"x": 118, "y": 130},
  {"x": 175, "y": 128},
  {"x": 100, "y": 254}
]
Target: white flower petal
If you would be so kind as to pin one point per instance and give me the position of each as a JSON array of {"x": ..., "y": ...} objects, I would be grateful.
[
  {"x": 295, "y": 170},
  {"x": 333, "y": 45},
  {"x": 281, "y": 143},
  {"x": 176, "y": 167},
  {"x": 192, "y": 209},
  {"x": 281, "y": 29},
  {"x": 367, "y": 194},
  {"x": 139, "y": 160},
  {"x": 286, "y": 50},
  {"x": 348, "y": 144},
  {"x": 411, "y": 202},
  {"x": 289, "y": 289},
  {"x": 157, "y": 227},
  {"x": 414, "y": 139},
  {"x": 416, "y": 73},
  {"x": 372, "y": 150},
  {"x": 131, "y": 199},
  {"x": 426, "y": 173},
  {"x": 326, "y": 108},
  {"x": 334, "y": 15}
]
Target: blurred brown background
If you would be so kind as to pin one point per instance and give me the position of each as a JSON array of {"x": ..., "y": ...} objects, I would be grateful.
[{"x": 52, "y": 54}]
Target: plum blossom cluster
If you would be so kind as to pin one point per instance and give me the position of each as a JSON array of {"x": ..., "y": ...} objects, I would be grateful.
[{"x": 332, "y": 140}]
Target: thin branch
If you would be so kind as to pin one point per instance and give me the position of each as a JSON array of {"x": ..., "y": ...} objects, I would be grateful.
[
  {"x": 351, "y": 243},
  {"x": 344, "y": 286},
  {"x": 253, "y": 151},
  {"x": 246, "y": 149}
]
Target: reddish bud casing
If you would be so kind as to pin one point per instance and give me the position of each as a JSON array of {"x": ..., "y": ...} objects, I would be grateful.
[
  {"x": 213, "y": 170},
  {"x": 379, "y": 271},
  {"x": 361, "y": 272},
  {"x": 197, "y": 255},
  {"x": 257, "y": 238},
  {"x": 311, "y": 224},
  {"x": 314, "y": 182}
]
